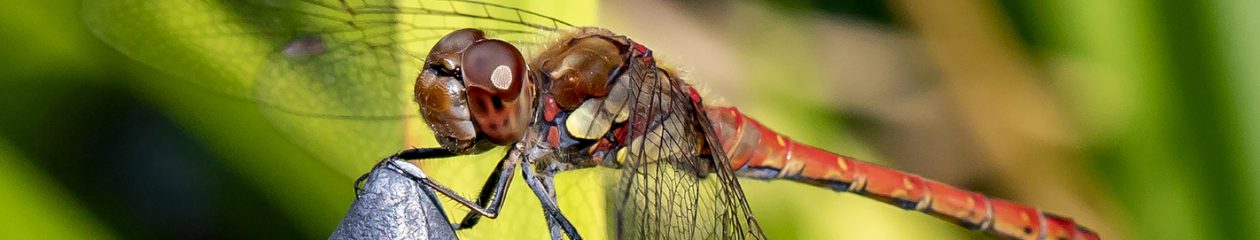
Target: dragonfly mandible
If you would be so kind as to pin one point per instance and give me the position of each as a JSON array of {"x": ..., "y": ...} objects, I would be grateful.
[{"x": 585, "y": 98}]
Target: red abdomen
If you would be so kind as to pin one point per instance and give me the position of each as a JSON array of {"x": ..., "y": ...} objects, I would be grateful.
[{"x": 758, "y": 152}]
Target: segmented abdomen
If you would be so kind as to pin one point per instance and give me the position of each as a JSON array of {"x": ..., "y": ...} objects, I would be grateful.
[{"x": 758, "y": 152}]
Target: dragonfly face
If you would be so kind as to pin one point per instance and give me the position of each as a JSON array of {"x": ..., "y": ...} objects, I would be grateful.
[{"x": 474, "y": 92}]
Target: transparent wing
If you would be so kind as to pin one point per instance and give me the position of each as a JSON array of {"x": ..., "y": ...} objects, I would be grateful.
[
  {"x": 335, "y": 75},
  {"x": 667, "y": 189},
  {"x": 336, "y": 58}
]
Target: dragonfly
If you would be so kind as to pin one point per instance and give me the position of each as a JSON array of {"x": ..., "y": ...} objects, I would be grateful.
[{"x": 586, "y": 97}]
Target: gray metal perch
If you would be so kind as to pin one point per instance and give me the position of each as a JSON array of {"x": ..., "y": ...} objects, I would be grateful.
[{"x": 394, "y": 205}]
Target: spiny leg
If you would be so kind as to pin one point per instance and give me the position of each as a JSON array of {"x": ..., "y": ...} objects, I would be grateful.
[
  {"x": 496, "y": 186},
  {"x": 548, "y": 182},
  {"x": 542, "y": 186},
  {"x": 511, "y": 159},
  {"x": 409, "y": 154}
]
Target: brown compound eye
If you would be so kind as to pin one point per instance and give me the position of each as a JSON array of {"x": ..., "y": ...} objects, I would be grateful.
[
  {"x": 494, "y": 72},
  {"x": 441, "y": 93},
  {"x": 446, "y": 53},
  {"x": 495, "y": 66}
]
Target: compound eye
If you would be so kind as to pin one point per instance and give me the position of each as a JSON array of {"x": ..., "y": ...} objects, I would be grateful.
[
  {"x": 494, "y": 66},
  {"x": 494, "y": 72},
  {"x": 446, "y": 52}
]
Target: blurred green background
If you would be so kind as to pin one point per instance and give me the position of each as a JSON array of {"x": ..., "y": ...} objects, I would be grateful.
[{"x": 1137, "y": 118}]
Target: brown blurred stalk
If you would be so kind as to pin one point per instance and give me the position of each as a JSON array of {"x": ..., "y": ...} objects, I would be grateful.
[{"x": 1013, "y": 118}]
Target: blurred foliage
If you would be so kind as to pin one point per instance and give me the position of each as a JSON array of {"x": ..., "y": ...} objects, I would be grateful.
[
  {"x": 46, "y": 211},
  {"x": 1162, "y": 92},
  {"x": 1160, "y": 96}
]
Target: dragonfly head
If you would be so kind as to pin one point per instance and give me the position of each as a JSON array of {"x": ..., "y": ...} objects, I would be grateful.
[{"x": 472, "y": 92}]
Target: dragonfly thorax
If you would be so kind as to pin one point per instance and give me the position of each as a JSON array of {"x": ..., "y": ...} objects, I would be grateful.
[{"x": 472, "y": 92}]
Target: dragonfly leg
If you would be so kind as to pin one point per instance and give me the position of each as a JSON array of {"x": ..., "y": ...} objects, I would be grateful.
[
  {"x": 543, "y": 188},
  {"x": 549, "y": 184},
  {"x": 409, "y": 154},
  {"x": 496, "y": 186},
  {"x": 431, "y": 153}
]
